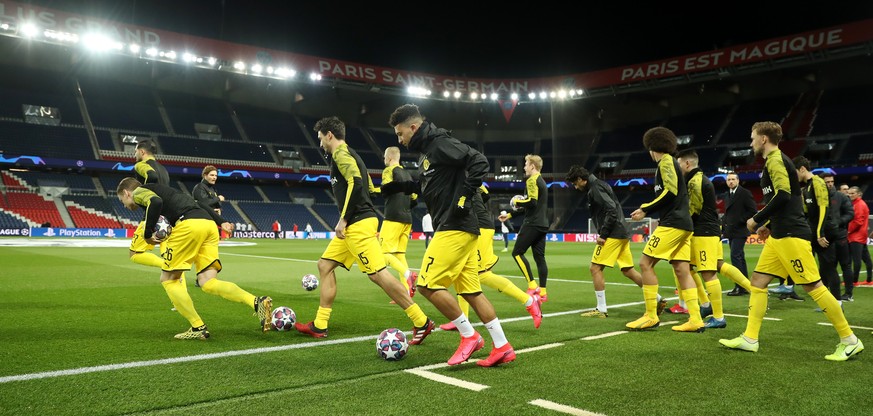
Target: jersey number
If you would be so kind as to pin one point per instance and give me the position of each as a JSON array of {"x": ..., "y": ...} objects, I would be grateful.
[
  {"x": 654, "y": 241},
  {"x": 427, "y": 268},
  {"x": 167, "y": 254},
  {"x": 702, "y": 255},
  {"x": 597, "y": 250},
  {"x": 364, "y": 259},
  {"x": 798, "y": 265}
]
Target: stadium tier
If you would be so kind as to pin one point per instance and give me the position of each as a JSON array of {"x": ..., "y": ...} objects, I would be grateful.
[{"x": 113, "y": 104}]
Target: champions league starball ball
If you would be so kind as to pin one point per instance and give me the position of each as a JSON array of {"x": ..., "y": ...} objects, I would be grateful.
[
  {"x": 162, "y": 228},
  {"x": 391, "y": 345},
  {"x": 310, "y": 282}
]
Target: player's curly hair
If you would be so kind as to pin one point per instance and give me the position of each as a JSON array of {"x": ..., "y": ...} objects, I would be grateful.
[
  {"x": 403, "y": 114},
  {"x": 660, "y": 139},
  {"x": 577, "y": 172}
]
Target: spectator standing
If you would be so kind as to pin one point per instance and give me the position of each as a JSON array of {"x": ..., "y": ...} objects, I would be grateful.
[
  {"x": 277, "y": 229},
  {"x": 427, "y": 228},
  {"x": 858, "y": 237},
  {"x": 739, "y": 207},
  {"x": 505, "y": 228}
]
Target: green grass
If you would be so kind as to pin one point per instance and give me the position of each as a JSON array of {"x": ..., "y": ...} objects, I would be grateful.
[{"x": 71, "y": 308}]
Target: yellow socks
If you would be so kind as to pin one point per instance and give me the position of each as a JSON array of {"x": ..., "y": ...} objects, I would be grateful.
[
  {"x": 229, "y": 291},
  {"x": 414, "y": 312},
  {"x": 401, "y": 267},
  {"x": 757, "y": 309},
  {"x": 650, "y": 294},
  {"x": 691, "y": 303},
  {"x": 832, "y": 310},
  {"x": 178, "y": 294},
  {"x": 465, "y": 306},
  {"x": 147, "y": 259},
  {"x": 322, "y": 316},
  {"x": 735, "y": 275},
  {"x": 702, "y": 297},
  {"x": 714, "y": 288},
  {"x": 503, "y": 285}
]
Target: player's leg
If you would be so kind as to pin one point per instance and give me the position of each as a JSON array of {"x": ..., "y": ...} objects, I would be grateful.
[
  {"x": 539, "y": 255},
  {"x": 336, "y": 254},
  {"x": 525, "y": 239}
]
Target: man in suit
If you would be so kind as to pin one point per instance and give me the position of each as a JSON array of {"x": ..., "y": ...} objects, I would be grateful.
[{"x": 739, "y": 207}]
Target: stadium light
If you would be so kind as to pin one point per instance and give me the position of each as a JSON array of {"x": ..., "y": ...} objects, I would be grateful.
[
  {"x": 494, "y": 96},
  {"x": 543, "y": 95},
  {"x": 28, "y": 30},
  {"x": 483, "y": 96},
  {"x": 239, "y": 66},
  {"x": 211, "y": 61},
  {"x": 257, "y": 68},
  {"x": 447, "y": 94},
  {"x": 134, "y": 48},
  {"x": 514, "y": 96},
  {"x": 457, "y": 94},
  {"x": 562, "y": 94},
  {"x": 100, "y": 43},
  {"x": 532, "y": 95},
  {"x": 152, "y": 52},
  {"x": 474, "y": 95},
  {"x": 315, "y": 77}
]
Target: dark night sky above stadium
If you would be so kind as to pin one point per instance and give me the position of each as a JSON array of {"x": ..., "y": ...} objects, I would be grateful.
[{"x": 542, "y": 39}]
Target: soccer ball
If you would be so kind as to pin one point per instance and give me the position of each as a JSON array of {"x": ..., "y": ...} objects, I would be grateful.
[
  {"x": 310, "y": 282},
  {"x": 162, "y": 228},
  {"x": 391, "y": 344},
  {"x": 283, "y": 318},
  {"x": 514, "y": 201}
]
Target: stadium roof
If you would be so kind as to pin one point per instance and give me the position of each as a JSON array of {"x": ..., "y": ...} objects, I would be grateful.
[
  {"x": 541, "y": 39},
  {"x": 453, "y": 40}
]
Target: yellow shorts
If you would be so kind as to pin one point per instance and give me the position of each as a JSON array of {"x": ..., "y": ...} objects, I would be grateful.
[
  {"x": 788, "y": 256},
  {"x": 360, "y": 245},
  {"x": 193, "y": 241},
  {"x": 485, "y": 244},
  {"x": 706, "y": 252},
  {"x": 612, "y": 251},
  {"x": 668, "y": 243},
  {"x": 394, "y": 236},
  {"x": 450, "y": 260},
  {"x": 138, "y": 244}
]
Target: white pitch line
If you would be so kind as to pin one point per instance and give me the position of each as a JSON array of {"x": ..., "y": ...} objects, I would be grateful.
[
  {"x": 539, "y": 348},
  {"x": 563, "y": 408},
  {"x": 747, "y": 317},
  {"x": 850, "y": 326},
  {"x": 176, "y": 360},
  {"x": 447, "y": 380},
  {"x": 424, "y": 371},
  {"x": 269, "y": 257},
  {"x": 606, "y": 335}
]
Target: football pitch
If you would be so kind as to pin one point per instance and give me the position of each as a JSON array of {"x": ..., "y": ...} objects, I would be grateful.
[{"x": 85, "y": 331}]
